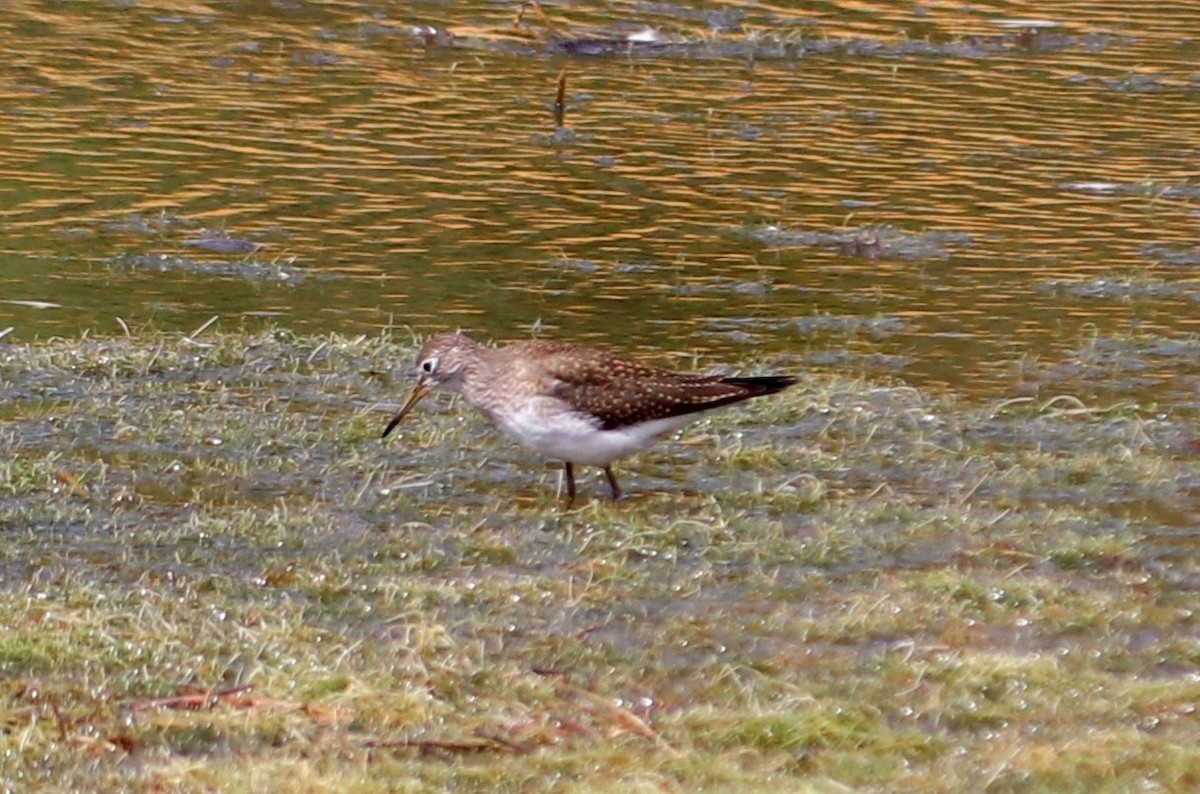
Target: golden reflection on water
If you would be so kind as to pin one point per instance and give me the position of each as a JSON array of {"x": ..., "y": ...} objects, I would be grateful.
[{"x": 426, "y": 186}]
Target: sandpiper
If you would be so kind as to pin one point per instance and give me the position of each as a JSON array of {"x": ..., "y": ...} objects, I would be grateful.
[{"x": 573, "y": 403}]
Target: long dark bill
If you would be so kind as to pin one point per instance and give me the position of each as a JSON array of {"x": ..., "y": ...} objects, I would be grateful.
[{"x": 417, "y": 393}]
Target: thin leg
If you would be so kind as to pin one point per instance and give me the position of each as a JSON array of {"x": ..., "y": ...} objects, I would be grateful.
[
  {"x": 570, "y": 467},
  {"x": 612, "y": 480}
]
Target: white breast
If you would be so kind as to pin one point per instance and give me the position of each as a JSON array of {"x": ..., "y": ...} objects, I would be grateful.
[{"x": 542, "y": 426}]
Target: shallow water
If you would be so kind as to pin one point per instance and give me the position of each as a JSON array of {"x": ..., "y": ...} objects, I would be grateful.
[{"x": 928, "y": 194}]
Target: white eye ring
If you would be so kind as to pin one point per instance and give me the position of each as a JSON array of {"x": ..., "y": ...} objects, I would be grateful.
[{"x": 429, "y": 365}]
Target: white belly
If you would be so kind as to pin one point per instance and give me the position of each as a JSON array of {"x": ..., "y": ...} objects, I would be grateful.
[{"x": 574, "y": 438}]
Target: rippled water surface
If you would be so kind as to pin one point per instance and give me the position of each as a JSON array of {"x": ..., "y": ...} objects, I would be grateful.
[{"x": 949, "y": 194}]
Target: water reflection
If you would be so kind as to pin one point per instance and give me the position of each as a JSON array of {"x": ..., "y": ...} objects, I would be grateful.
[{"x": 360, "y": 176}]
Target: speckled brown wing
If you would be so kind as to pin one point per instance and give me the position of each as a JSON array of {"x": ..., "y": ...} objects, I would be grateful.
[{"x": 622, "y": 392}]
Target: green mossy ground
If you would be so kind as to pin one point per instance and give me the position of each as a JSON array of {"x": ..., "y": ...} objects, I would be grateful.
[{"x": 217, "y": 577}]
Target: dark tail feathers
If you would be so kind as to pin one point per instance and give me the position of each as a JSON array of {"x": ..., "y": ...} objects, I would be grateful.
[{"x": 769, "y": 384}]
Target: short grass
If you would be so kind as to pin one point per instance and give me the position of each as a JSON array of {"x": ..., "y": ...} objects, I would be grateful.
[{"x": 217, "y": 577}]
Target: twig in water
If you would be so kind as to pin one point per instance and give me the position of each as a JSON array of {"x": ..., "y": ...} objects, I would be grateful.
[{"x": 560, "y": 102}]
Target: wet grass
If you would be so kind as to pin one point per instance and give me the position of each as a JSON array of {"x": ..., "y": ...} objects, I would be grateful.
[{"x": 216, "y": 577}]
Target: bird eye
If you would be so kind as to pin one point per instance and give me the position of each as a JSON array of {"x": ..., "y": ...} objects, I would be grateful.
[{"x": 429, "y": 365}]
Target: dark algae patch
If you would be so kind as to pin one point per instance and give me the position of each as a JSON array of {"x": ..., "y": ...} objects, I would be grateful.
[{"x": 215, "y": 577}]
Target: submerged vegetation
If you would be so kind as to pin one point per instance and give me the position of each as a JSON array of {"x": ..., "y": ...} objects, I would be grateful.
[{"x": 215, "y": 576}]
